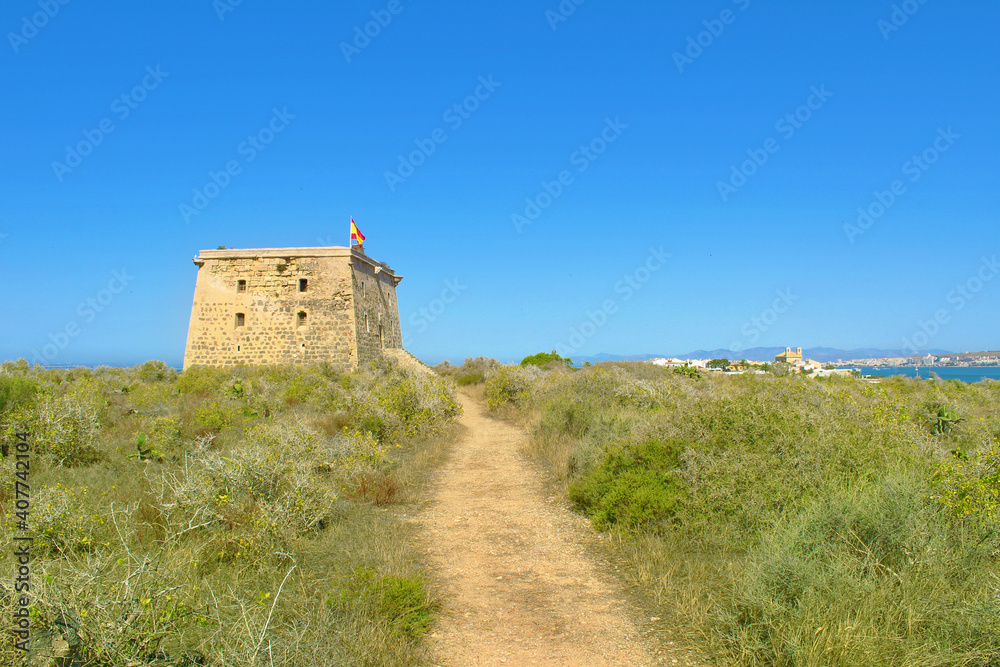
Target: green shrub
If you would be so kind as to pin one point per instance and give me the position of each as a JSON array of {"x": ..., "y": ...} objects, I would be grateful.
[
  {"x": 16, "y": 391},
  {"x": 301, "y": 387},
  {"x": 66, "y": 521},
  {"x": 545, "y": 359},
  {"x": 633, "y": 487},
  {"x": 217, "y": 415},
  {"x": 639, "y": 393},
  {"x": 508, "y": 386},
  {"x": 290, "y": 472},
  {"x": 968, "y": 485},
  {"x": 688, "y": 371},
  {"x": 445, "y": 369},
  {"x": 861, "y": 578},
  {"x": 200, "y": 381},
  {"x": 472, "y": 370},
  {"x": 467, "y": 379},
  {"x": 396, "y": 404},
  {"x": 155, "y": 371},
  {"x": 63, "y": 428},
  {"x": 281, "y": 483},
  {"x": 166, "y": 430},
  {"x": 571, "y": 417},
  {"x": 152, "y": 398}
]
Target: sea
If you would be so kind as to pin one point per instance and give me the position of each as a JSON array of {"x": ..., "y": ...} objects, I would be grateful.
[{"x": 963, "y": 373}]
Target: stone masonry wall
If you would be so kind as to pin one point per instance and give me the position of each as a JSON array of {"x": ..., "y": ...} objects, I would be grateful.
[
  {"x": 345, "y": 303},
  {"x": 376, "y": 312},
  {"x": 271, "y": 331}
]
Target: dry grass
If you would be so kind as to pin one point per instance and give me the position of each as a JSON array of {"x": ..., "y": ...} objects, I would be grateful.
[
  {"x": 804, "y": 522},
  {"x": 236, "y": 517}
]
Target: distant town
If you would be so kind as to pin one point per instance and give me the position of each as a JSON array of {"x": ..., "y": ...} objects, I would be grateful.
[
  {"x": 967, "y": 359},
  {"x": 795, "y": 360}
]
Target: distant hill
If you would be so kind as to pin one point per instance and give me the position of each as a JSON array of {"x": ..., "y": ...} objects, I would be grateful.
[
  {"x": 825, "y": 354},
  {"x": 969, "y": 355}
]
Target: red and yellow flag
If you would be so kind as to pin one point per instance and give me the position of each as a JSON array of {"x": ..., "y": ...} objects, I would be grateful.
[{"x": 356, "y": 234}]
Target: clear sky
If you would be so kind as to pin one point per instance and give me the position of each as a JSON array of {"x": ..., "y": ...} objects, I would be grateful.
[{"x": 640, "y": 177}]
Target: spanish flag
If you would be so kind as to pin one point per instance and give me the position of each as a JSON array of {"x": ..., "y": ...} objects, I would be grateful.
[{"x": 356, "y": 234}]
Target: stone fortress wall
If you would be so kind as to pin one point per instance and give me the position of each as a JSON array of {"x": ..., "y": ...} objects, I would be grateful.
[
  {"x": 292, "y": 306},
  {"x": 376, "y": 312}
]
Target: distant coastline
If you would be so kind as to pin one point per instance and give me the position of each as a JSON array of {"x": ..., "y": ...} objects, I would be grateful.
[
  {"x": 963, "y": 373},
  {"x": 846, "y": 358}
]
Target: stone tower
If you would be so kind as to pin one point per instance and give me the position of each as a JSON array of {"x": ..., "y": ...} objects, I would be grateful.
[{"x": 292, "y": 306}]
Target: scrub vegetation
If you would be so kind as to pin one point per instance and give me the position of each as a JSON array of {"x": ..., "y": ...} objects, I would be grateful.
[
  {"x": 785, "y": 520},
  {"x": 221, "y": 517}
]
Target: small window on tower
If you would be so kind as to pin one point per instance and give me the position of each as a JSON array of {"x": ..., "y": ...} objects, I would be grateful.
[
  {"x": 240, "y": 319},
  {"x": 302, "y": 317},
  {"x": 303, "y": 284},
  {"x": 241, "y": 286}
]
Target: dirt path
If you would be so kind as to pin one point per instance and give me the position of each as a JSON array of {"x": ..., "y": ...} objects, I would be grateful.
[{"x": 519, "y": 586}]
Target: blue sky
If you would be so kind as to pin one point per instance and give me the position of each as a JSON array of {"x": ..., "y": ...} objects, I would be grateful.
[{"x": 737, "y": 137}]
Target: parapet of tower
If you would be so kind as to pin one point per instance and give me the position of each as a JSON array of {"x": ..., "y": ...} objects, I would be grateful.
[{"x": 292, "y": 306}]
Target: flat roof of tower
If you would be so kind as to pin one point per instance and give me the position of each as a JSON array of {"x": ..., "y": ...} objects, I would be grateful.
[{"x": 287, "y": 253}]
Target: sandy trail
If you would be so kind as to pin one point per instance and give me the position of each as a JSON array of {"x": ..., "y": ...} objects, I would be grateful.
[{"x": 519, "y": 586}]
